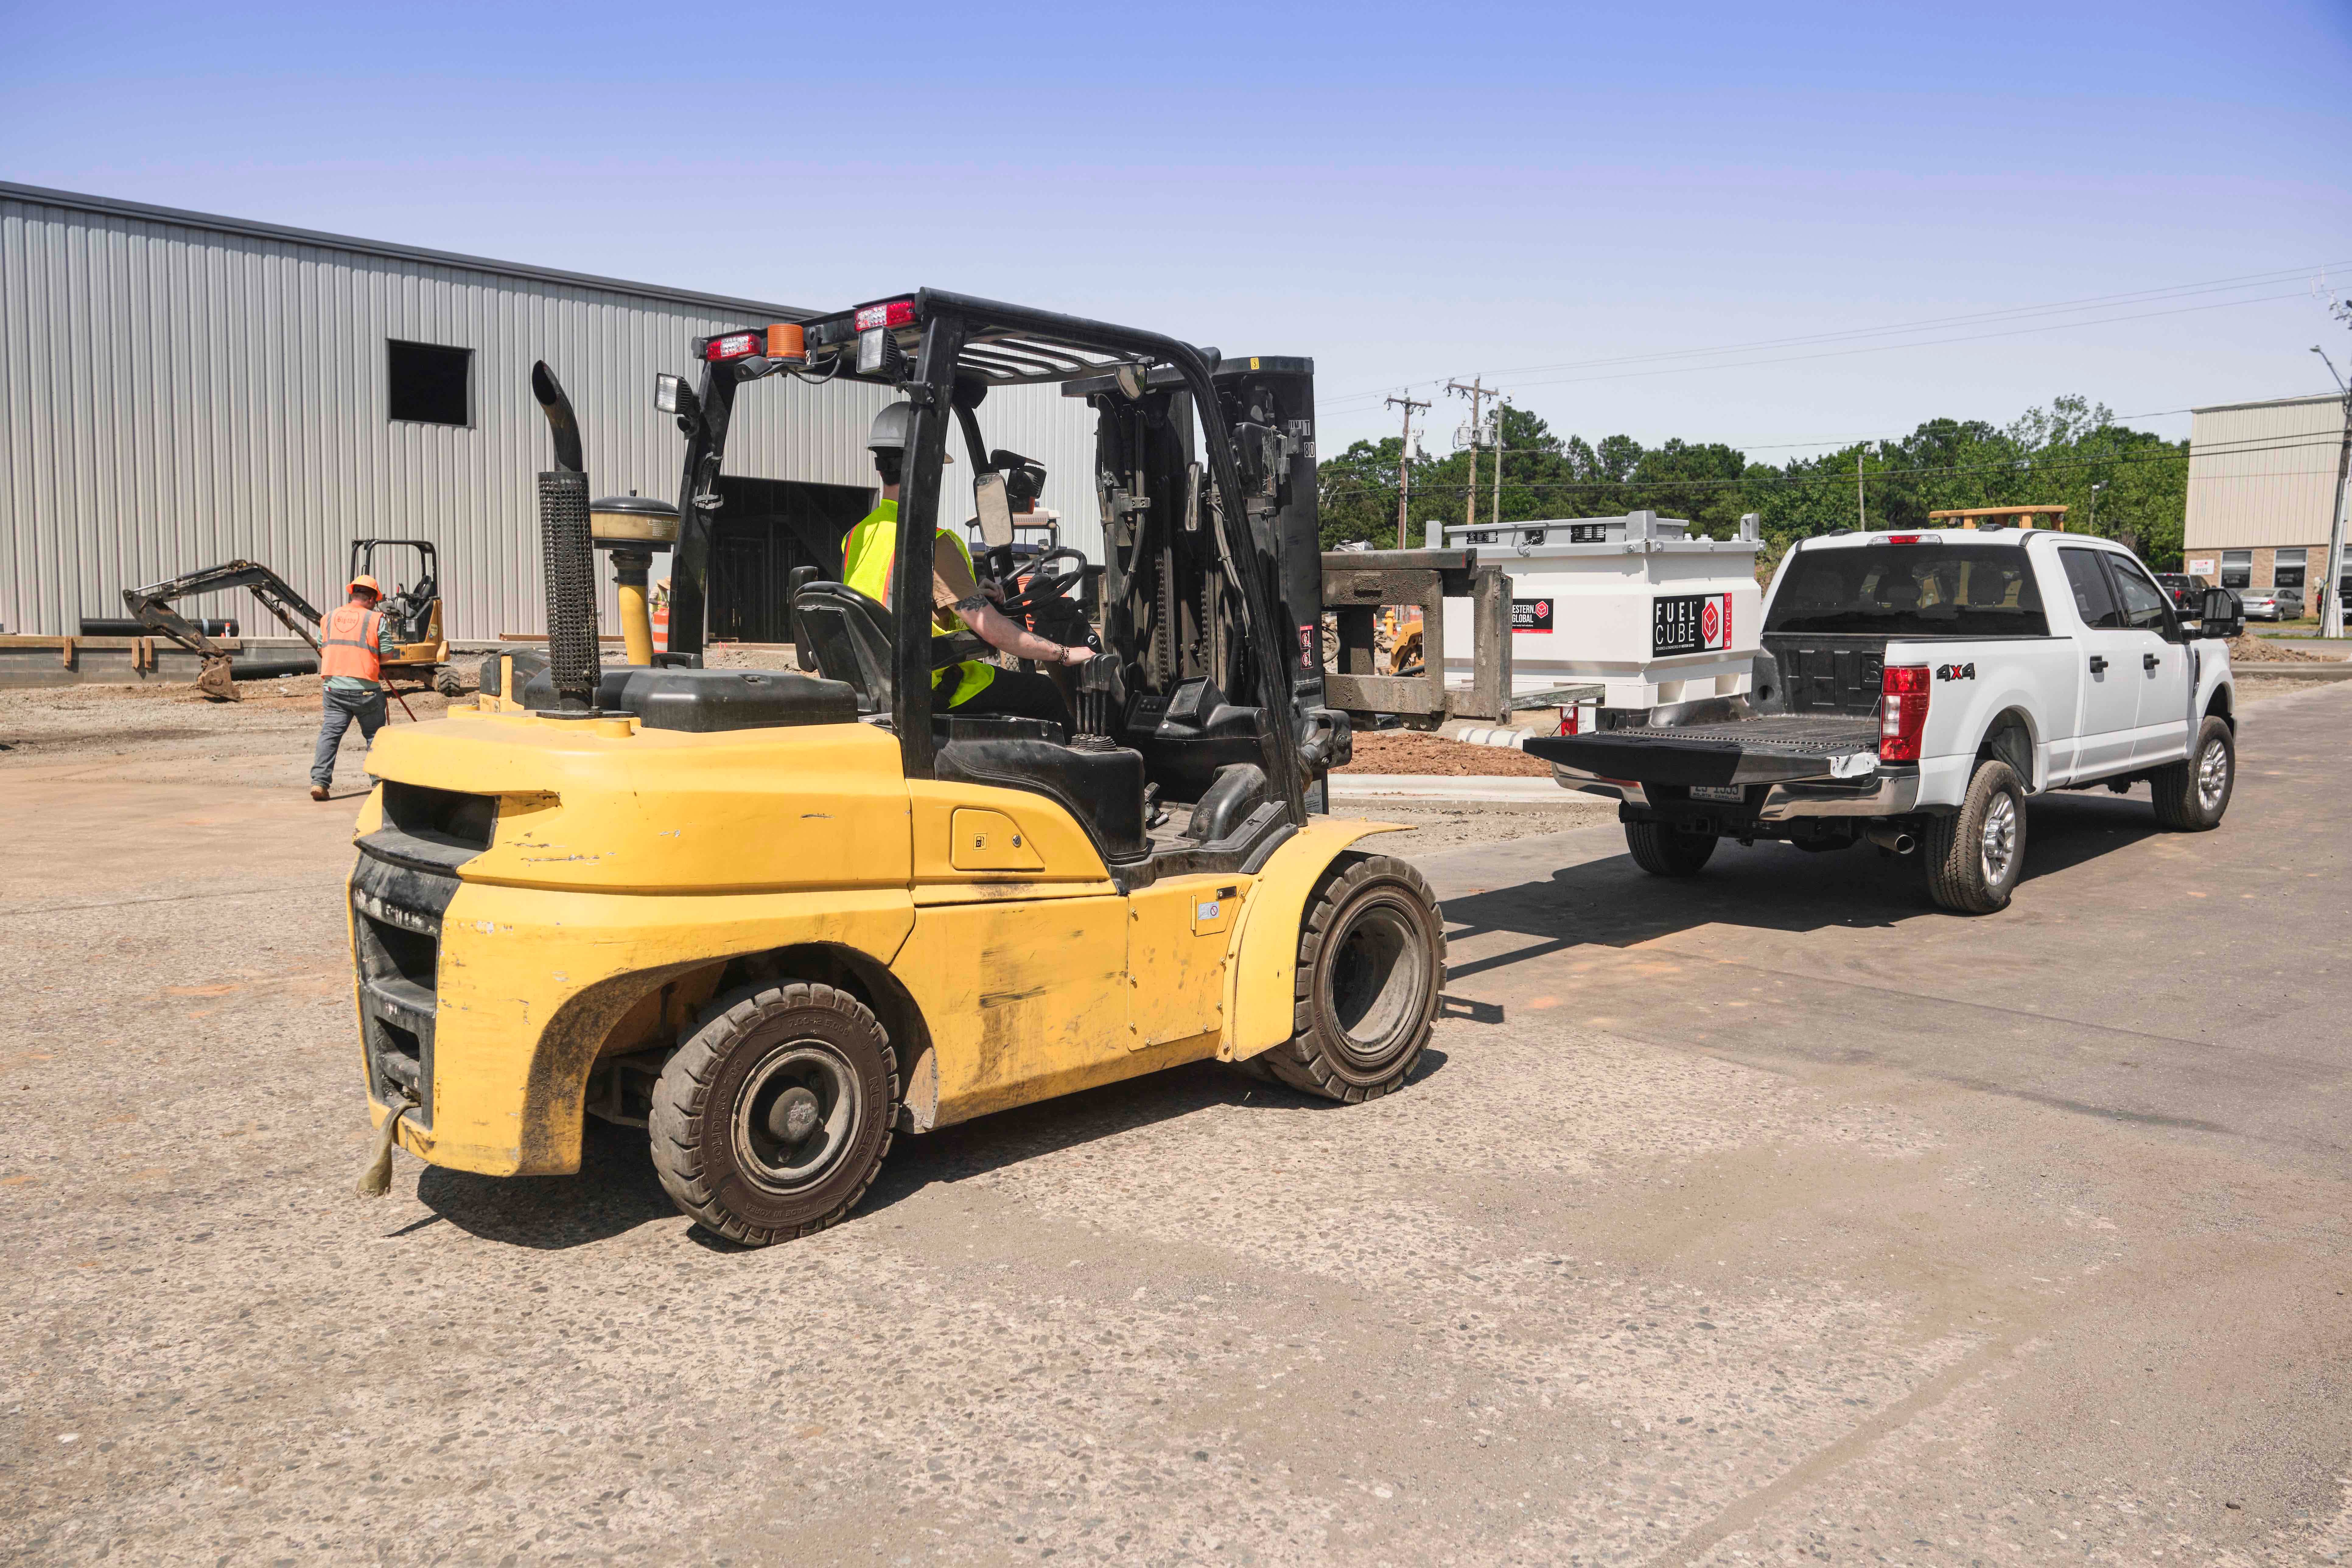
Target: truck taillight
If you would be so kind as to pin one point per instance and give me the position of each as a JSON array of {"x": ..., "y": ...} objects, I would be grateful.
[
  {"x": 734, "y": 345},
  {"x": 1902, "y": 712}
]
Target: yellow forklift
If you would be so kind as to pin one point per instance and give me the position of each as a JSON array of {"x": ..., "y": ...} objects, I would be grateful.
[{"x": 776, "y": 917}]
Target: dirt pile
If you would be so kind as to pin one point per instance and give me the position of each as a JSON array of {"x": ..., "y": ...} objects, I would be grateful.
[
  {"x": 2252, "y": 649},
  {"x": 1414, "y": 752}
]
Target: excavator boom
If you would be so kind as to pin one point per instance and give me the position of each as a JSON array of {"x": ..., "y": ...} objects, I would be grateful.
[{"x": 150, "y": 606}]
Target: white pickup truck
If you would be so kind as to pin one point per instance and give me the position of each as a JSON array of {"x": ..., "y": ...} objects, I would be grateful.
[{"x": 1915, "y": 692}]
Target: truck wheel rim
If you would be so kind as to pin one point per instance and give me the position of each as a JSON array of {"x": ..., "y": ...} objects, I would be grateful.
[
  {"x": 795, "y": 1117},
  {"x": 2212, "y": 775},
  {"x": 2000, "y": 845},
  {"x": 1374, "y": 981}
]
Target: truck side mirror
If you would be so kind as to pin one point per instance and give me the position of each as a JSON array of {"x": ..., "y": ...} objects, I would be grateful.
[
  {"x": 995, "y": 511},
  {"x": 2222, "y": 614}
]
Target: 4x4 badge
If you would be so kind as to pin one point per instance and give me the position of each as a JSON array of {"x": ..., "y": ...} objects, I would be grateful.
[{"x": 1955, "y": 672}]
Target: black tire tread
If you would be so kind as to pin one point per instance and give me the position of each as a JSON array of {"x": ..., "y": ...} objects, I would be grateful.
[
  {"x": 2172, "y": 789},
  {"x": 1951, "y": 847},
  {"x": 682, "y": 1095},
  {"x": 1664, "y": 850},
  {"x": 1302, "y": 1061}
]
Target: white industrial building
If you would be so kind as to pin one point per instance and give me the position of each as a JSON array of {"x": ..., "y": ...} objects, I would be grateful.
[
  {"x": 2262, "y": 493},
  {"x": 179, "y": 389}
]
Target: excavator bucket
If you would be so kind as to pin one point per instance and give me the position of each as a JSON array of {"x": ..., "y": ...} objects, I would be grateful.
[{"x": 214, "y": 681}]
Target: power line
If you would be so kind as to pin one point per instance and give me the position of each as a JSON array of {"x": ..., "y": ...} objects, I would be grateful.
[
  {"x": 1893, "y": 348},
  {"x": 2141, "y": 296},
  {"x": 2027, "y": 465}
]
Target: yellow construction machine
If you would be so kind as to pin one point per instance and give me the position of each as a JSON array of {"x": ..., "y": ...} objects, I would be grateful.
[{"x": 777, "y": 918}]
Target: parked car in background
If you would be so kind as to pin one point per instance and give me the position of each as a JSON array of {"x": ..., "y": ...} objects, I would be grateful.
[
  {"x": 2184, "y": 591},
  {"x": 2272, "y": 604}
]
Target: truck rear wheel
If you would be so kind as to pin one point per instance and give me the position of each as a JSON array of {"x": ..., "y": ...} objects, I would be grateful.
[
  {"x": 772, "y": 1121},
  {"x": 2191, "y": 796},
  {"x": 1976, "y": 854},
  {"x": 1371, "y": 959},
  {"x": 1664, "y": 850}
]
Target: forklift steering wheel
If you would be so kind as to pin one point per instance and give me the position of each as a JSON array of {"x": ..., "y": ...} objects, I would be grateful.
[{"x": 1044, "y": 585}]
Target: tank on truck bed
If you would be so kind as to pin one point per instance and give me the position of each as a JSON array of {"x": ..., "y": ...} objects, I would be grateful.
[{"x": 1915, "y": 691}]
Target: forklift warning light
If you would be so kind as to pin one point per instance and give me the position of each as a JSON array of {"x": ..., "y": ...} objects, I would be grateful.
[
  {"x": 896, "y": 313},
  {"x": 735, "y": 345}
]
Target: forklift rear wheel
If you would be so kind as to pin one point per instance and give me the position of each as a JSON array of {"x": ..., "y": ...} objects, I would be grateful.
[
  {"x": 1664, "y": 850},
  {"x": 772, "y": 1122},
  {"x": 1371, "y": 959},
  {"x": 449, "y": 683}
]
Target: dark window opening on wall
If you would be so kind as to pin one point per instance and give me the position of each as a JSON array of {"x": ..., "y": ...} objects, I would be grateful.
[
  {"x": 429, "y": 384},
  {"x": 2237, "y": 568},
  {"x": 2287, "y": 568}
]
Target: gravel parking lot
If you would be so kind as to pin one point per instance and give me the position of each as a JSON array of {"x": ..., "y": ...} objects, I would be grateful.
[{"x": 1771, "y": 1218}]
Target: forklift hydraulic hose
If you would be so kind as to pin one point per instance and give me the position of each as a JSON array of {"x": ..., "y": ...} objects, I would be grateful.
[
  {"x": 562, "y": 423},
  {"x": 376, "y": 1179}
]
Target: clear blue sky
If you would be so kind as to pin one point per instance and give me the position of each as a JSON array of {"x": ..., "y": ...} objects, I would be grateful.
[{"x": 1406, "y": 193}]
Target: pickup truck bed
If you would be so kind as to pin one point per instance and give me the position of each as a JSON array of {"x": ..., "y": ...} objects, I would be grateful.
[{"x": 1771, "y": 748}]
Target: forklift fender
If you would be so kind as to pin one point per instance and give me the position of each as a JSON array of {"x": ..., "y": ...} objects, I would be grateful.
[{"x": 1261, "y": 981}]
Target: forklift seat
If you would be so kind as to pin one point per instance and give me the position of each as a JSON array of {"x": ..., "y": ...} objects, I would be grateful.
[{"x": 850, "y": 634}]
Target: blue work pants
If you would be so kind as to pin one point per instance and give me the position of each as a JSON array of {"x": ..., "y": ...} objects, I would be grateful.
[{"x": 343, "y": 707}]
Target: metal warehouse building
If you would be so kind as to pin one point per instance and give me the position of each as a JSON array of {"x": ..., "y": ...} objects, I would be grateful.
[
  {"x": 178, "y": 389},
  {"x": 2261, "y": 492}
]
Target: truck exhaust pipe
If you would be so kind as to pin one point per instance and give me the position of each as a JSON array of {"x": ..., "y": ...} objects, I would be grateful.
[
  {"x": 568, "y": 556},
  {"x": 1893, "y": 841}
]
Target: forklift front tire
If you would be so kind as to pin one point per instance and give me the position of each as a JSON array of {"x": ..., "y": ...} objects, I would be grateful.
[
  {"x": 1371, "y": 959},
  {"x": 773, "y": 1119}
]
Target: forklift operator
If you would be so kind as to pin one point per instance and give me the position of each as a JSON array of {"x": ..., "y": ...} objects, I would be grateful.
[{"x": 970, "y": 686}]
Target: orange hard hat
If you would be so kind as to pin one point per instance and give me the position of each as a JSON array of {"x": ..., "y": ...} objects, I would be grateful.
[{"x": 370, "y": 584}]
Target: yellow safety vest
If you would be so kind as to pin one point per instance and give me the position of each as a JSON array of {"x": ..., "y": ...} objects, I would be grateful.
[{"x": 867, "y": 552}]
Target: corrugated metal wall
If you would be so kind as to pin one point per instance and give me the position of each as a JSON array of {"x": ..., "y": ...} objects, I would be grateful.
[
  {"x": 2264, "y": 474},
  {"x": 173, "y": 396}
]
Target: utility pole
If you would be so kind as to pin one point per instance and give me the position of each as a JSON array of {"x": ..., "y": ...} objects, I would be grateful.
[
  {"x": 1861, "y": 507},
  {"x": 1476, "y": 393},
  {"x": 1495, "y": 513},
  {"x": 2094, "y": 505},
  {"x": 1405, "y": 465},
  {"x": 2331, "y": 588}
]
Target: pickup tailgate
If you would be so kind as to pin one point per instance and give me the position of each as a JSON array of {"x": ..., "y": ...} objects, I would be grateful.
[{"x": 1770, "y": 748}]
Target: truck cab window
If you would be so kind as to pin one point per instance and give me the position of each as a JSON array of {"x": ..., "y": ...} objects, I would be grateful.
[
  {"x": 2094, "y": 600},
  {"x": 2143, "y": 601},
  {"x": 1910, "y": 590}
]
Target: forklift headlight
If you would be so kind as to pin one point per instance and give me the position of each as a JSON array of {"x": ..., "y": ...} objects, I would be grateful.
[
  {"x": 878, "y": 353},
  {"x": 669, "y": 391}
]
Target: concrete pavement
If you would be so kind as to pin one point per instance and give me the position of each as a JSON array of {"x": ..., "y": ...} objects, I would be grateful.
[{"x": 1771, "y": 1216}]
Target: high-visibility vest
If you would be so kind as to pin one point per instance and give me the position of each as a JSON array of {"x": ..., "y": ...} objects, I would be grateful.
[
  {"x": 867, "y": 552},
  {"x": 347, "y": 642}
]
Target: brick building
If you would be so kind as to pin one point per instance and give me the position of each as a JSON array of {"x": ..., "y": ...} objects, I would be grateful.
[{"x": 2261, "y": 493}]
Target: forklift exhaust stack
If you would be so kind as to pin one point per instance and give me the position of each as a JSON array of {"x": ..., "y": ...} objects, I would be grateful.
[{"x": 569, "y": 558}]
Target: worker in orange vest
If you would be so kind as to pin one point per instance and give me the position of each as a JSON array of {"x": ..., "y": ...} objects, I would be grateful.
[{"x": 353, "y": 641}]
